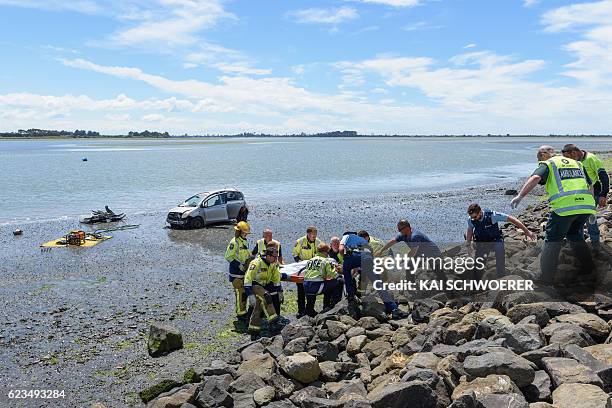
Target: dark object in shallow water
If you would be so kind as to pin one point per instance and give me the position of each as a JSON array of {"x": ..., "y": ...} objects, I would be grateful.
[
  {"x": 106, "y": 215},
  {"x": 84, "y": 159},
  {"x": 17, "y": 232},
  {"x": 511, "y": 192}
]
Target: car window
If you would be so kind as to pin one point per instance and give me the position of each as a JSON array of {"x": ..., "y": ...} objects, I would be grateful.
[
  {"x": 214, "y": 200},
  {"x": 192, "y": 201},
  {"x": 230, "y": 195}
]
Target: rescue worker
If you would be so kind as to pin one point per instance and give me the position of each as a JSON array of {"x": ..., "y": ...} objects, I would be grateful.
[
  {"x": 262, "y": 278},
  {"x": 321, "y": 277},
  {"x": 334, "y": 250},
  {"x": 262, "y": 244},
  {"x": 376, "y": 245},
  {"x": 571, "y": 201},
  {"x": 237, "y": 254},
  {"x": 600, "y": 180},
  {"x": 305, "y": 248},
  {"x": 483, "y": 230},
  {"x": 358, "y": 256}
]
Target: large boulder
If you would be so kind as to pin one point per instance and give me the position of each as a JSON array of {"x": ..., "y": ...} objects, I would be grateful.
[
  {"x": 163, "y": 339},
  {"x": 214, "y": 394},
  {"x": 176, "y": 397},
  {"x": 517, "y": 368},
  {"x": 567, "y": 333},
  {"x": 491, "y": 384},
  {"x": 594, "y": 325},
  {"x": 580, "y": 395},
  {"x": 566, "y": 370},
  {"x": 262, "y": 365},
  {"x": 355, "y": 344},
  {"x": 521, "y": 311},
  {"x": 397, "y": 395},
  {"x": 521, "y": 338},
  {"x": 301, "y": 367},
  {"x": 539, "y": 389},
  {"x": 503, "y": 400},
  {"x": 602, "y": 352}
]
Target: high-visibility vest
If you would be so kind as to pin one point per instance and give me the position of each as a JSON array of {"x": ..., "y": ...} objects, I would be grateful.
[
  {"x": 376, "y": 245},
  {"x": 237, "y": 250},
  {"x": 319, "y": 269},
  {"x": 263, "y": 273},
  {"x": 304, "y": 249},
  {"x": 261, "y": 246},
  {"x": 592, "y": 165},
  {"x": 567, "y": 188}
]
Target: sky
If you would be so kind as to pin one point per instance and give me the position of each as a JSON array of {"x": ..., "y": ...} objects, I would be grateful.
[{"x": 292, "y": 66}]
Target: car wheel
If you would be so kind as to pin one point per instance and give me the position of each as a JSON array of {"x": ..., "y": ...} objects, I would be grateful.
[{"x": 196, "y": 223}]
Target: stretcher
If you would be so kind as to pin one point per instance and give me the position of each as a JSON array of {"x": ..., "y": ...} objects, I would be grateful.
[{"x": 293, "y": 272}]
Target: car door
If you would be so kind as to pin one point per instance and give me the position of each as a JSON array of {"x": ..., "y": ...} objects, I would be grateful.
[
  {"x": 234, "y": 201},
  {"x": 215, "y": 208}
]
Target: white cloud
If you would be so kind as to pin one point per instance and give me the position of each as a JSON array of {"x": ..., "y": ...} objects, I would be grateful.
[
  {"x": 421, "y": 25},
  {"x": 153, "y": 117},
  {"x": 392, "y": 3},
  {"x": 530, "y": 3},
  {"x": 80, "y": 6},
  {"x": 593, "y": 51},
  {"x": 238, "y": 68},
  {"x": 470, "y": 45},
  {"x": 324, "y": 16}
]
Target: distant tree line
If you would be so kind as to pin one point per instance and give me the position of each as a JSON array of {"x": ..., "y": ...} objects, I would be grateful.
[{"x": 50, "y": 133}]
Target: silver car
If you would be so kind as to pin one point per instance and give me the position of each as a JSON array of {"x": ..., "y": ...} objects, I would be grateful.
[{"x": 207, "y": 208}]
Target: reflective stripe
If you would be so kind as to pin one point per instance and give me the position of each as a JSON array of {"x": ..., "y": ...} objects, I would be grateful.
[
  {"x": 557, "y": 176},
  {"x": 566, "y": 193},
  {"x": 574, "y": 208},
  {"x": 319, "y": 279},
  {"x": 233, "y": 275},
  {"x": 263, "y": 306},
  {"x": 272, "y": 317}
]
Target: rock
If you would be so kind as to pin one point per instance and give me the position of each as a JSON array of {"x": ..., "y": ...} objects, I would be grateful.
[
  {"x": 326, "y": 351},
  {"x": 541, "y": 405},
  {"x": 491, "y": 384},
  {"x": 275, "y": 348},
  {"x": 243, "y": 401},
  {"x": 566, "y": 370},
  {"x": 355, "y": 331},
  {"x": 329, "y": 371},
  {"x": 580, "y": 395},
  {"x": 262, "y": 365},
  {"x": 368, "y": 323},
  {"x": 264, "y": 395},
  {"x": 216, "y": 367},
  {"x": 491, "y": 325},
  {"x": 602, "y": 352},
  {"x": 214, "y": 394},
  {"x": 423, "y": 308},
  {"x": 518, "y": 369},
  {"x": 430, "y": 377},
  {"x": 247, "y": 383},
  {"x": 255, "y": 349},
  {"x": 536, "y": 356},
  {"x": 336, "y": 329},
  {"x": 466, "y": 401},
  {"x": 567, "y": 333},
  {"x": 301, "y": 367},
  {"x": 372, "y": 306},
  {"x": 304, "y": 393},
  {"x": 150, "y": 393},
  {"x": 397, "y": 395},
  {"x": 176, "y": 397},
  {"x": 353, "y": 390},
  {"x": 296, "y": 345},
  {"x": 594, "y": 325},
  {"x": 163, "y": 339},
  {"x": 539, "y": 389},
  {"x": 423, "y": 360},
  {"x": 503, "y": 400},
  {"x": 284, "y": 387},
  {"x": 555, "y": 309},
  {"x": 519, "y": 312},
  {"x": 355, "y": 344},
  {"x": 281, "y": 404},
  {"x": 511, "y": 192},
  {"x": 293, "y": 331},
  {"x": 521, "y": 338},
  {"x": 375, "y": 348},
  {"x": 459, "y": 331}
]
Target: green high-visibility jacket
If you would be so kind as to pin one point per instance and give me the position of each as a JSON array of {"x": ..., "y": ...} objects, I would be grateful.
[
  {"x": 320, "y": 269},
  {"x": 305, "y": 250},
  {"x": 261, "y": 246},
  {"x": 237, "y": 250},
  {"x": 592, "y": 165},
  {"x": 567, "y": 188}
]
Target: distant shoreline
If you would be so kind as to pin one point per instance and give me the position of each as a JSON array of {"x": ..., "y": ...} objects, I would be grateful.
[{"x": 252, "y": 136}]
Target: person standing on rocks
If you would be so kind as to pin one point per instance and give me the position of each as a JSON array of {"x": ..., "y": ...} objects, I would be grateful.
[
  {"x": 483, "y": 229},
  {"x": 262, "y": 244},
  {"x": 305, "y": 248},
  {"x": 237, "y": 254},
  {"x": 320, "y": 277},
  {"x": 357, "y": 255},
  {"x": 571, "y": 200},
  {"x": 601, "y": 184},
  {"x": 262, "y": 278}
]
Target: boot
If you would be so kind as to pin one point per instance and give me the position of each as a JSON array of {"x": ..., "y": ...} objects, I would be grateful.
[
  {"x": 398, "y": 314},
  {"x": 241, "y": 325}
]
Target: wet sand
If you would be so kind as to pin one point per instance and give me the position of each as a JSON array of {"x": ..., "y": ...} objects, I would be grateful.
[{"x": 76, "y": 319}]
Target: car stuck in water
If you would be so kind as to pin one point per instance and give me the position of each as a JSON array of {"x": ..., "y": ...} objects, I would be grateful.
[{"x": 209, "y": 207}]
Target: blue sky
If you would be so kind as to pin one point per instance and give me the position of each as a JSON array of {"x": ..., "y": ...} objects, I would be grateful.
[{"x": 375, "y": 66}]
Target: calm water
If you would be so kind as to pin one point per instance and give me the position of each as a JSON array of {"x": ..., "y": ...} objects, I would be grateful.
[{"x": 47, "y": 179}]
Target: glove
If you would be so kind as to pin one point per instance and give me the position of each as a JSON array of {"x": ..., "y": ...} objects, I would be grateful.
[
  {"x": 281, "y": 296},
  {"x": 252, "y": 300},
  {"x": 515, "y": 201}
]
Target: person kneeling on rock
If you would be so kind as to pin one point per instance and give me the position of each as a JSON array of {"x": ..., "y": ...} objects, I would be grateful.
[
  {"x": 321, "y": 277},
  {"x": 263, "y": 278}
]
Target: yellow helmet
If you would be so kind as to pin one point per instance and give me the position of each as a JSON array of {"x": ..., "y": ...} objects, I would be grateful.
[{"x": 243, "y": 226}]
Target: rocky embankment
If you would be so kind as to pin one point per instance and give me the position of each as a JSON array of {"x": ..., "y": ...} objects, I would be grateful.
[{"x": 498, "y": 349}]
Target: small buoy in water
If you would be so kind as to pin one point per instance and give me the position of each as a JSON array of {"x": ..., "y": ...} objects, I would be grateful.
[
  {"x": 17, "y": 232},
  {"x": 84, "y": 159}
]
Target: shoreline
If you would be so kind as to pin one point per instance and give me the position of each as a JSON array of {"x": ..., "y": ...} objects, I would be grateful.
[{"x": 63, "y": 321}]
